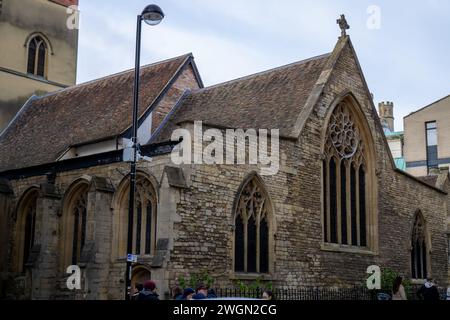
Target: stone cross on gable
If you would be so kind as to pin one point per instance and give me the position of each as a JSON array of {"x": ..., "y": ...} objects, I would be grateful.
[{"x": 342, "y": 22}]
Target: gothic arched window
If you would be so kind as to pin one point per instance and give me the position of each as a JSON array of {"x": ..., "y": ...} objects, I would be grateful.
[
  {"x": 26, "y": 229},
  {"x": 419, "y": 251},
  {"x": 251, "y": 233},
  {"x": 345, "y": 180},
  {"x": 144, "y": 219},
  {"x": 37, "y": 56},
  {"x": 74, "y": 224},
  {"x": 79, "y": 212},
  {"x": 144, "y": 229}
]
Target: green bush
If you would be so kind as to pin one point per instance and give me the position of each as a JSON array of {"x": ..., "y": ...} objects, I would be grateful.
[
  {"x": 388, "y": 276},
  {"x": 253, "y": 286},
  {"x": 194, "y": 280}
]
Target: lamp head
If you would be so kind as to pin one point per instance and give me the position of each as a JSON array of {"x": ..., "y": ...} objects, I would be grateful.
[{"x": 152, "y": 15}]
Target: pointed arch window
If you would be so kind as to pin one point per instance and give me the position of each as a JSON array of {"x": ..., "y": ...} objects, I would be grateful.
[
  {"x": 30, "y": 229},
  {"x": 37, "y": 56},
  {"x": 144, "y": 229},
  {"x": 419, "y": 250},
  {"x": 26, "y": 230},
  {"x": 74, "y": 224},
  {"x": 79, "y": 226},
  {"x": 345, "y": 176},
  {"x": 251, "y": 232},
  {"x": 144, "y": 235}
]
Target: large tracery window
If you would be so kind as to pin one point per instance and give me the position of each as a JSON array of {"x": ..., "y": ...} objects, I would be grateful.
[
  {"x": 345, "y": 177},
  {"x": 419, "y": 251},
  {"x": 251, "y": 234},
  {"x": 37, "y": 56}
]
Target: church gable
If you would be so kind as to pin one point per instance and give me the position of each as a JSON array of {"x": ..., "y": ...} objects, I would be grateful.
[
  {"x": 188, "y": 80},
  {"x": 346, "y": 79}
]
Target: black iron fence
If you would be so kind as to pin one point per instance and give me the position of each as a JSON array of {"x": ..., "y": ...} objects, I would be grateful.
[{"x": 353, "y": 293}]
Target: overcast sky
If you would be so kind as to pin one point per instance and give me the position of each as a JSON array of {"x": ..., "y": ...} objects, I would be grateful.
[{"x": 404, "y": 54}]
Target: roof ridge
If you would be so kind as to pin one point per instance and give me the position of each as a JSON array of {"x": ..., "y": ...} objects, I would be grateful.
[
  {"x": 263, "y": 72},
  {"x": 18, "y": 114},
  {"x": 427, "y": 106},
  {"x": 187, "y": 55}
]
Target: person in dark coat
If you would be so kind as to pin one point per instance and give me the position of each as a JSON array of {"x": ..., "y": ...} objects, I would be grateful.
[
  {"x": 211, "y": 294},
  {"x": 429, "y": 291},
  {"x": 201, "y": 292},
  {"x": 177, "y": 293},
  {"x": 188, "y": 293},
  {"x": 149, "y": 292},
  {"x": 138, "y": 288}
]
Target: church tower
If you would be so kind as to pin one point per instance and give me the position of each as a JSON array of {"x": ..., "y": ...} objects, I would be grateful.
[
  {"x": 386, "y": 112},
  {"x": 38, "y": 51}
]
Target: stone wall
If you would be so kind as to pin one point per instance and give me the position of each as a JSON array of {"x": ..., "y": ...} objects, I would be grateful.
[{"x": 195, "y": 220}]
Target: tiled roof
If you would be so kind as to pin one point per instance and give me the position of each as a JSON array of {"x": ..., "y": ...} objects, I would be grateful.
[
  {"x": 268, "y": 100},
  {"x": 50, "y": 124}
]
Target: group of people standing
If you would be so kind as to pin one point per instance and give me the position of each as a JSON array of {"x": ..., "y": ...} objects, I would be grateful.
[
  {"x": 201, "y": 292},
  {"x": 147, "y": 291},
  {"x": 427, "y": 292}
]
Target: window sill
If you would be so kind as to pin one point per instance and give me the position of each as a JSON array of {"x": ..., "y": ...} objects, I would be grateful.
[
  {"x": 36, "y": 77},
  {"x": 346, "y": 249},
  {"x": 251, "y": 276}
]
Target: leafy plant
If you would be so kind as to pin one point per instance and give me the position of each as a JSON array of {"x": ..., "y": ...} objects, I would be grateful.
[
  {"x": 195, "y": 279},
  {"x": 257, "y": 285},
  {"x": 388, "y": 276}
]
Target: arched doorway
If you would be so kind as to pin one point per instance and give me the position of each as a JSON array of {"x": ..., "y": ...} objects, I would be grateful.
[{"x": 139, "y": 275}]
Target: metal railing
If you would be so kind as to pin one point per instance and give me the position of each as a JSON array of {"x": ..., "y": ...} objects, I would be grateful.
[{"x": 310, "y": 293}]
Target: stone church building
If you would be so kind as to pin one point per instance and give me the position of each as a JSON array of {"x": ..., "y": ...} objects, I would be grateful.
[{"x": 336, "y": 206}]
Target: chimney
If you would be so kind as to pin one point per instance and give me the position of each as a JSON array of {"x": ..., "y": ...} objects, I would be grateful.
[{"x": 386, "y": 112}]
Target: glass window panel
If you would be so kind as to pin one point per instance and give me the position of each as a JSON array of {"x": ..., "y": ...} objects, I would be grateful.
[
  {"x": 138, "y": 229},
  {"x": 431, "y": 125},
  {"x": 148, "y": 229},
  {"x": 75, "y": 238},
  {"x": 41, "y": 60},
  {"x": 325, "y": 199},
  {"x": 432, "y": 137},
  {"x": 362, "y": 207},
  {"x": 264, "y": 247},
  {"x": 333, "y": 202},
  {"x": 251, "y": 245},
  {"x": 31, "y": 56},
  {"x": 343, "y": 203},
  {"x": 239, "y": 245},
  {"x": 353, "y": 205}
]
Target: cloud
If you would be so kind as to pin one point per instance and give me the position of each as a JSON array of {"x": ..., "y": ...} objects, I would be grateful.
[{"x": 405, "y": 61}]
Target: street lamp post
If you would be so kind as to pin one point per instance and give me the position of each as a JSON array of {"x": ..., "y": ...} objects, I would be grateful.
[{"x": 152, "y": 15}]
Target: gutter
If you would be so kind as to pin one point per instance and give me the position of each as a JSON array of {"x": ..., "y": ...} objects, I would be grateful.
[{"x": 101, "y": 159}]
